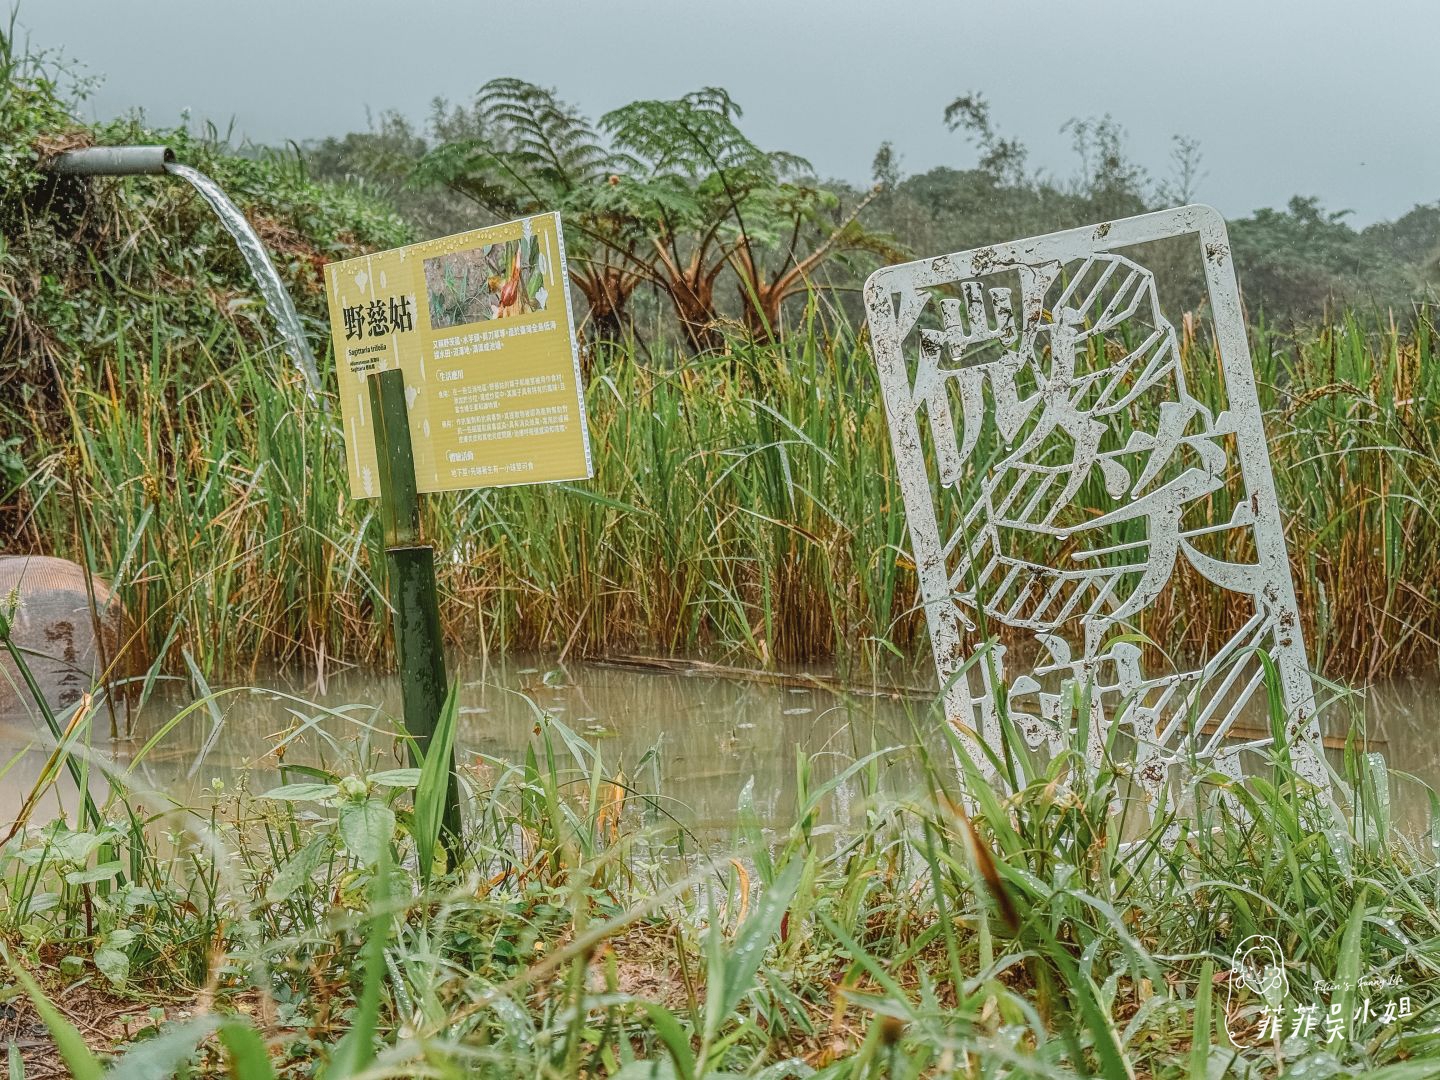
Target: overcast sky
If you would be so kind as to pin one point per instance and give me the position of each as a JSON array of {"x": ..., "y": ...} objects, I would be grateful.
[{"x": 1330, "y": 98}]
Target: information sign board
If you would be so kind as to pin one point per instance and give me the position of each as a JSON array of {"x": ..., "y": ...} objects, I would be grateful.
[{"x": 481, "y": 325}]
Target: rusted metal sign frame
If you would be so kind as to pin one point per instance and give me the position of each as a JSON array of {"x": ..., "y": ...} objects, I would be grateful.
[{"x": 895, "y": 299}]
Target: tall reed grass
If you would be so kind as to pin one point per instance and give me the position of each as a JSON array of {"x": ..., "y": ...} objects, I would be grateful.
[{"x": 743, "y": 504}]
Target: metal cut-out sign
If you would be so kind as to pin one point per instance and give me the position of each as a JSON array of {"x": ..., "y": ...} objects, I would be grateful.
[{"x": 1058, "y": 474}]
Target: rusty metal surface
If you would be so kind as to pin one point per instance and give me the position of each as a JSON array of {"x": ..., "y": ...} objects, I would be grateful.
[{"x": 1057, "y": 473}]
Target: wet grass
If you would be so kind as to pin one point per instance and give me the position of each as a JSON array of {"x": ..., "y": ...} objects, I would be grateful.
[{"x": 323, "y": 927}]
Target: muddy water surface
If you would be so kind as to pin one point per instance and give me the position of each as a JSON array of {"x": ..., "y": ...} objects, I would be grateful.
[{"x": 693, "y": 740}]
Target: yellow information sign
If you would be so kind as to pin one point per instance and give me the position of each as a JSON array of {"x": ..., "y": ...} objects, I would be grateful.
[{"x": 480, "y": 323}]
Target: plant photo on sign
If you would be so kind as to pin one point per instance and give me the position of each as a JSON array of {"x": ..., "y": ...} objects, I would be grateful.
[{"x": 497, "y": 281}]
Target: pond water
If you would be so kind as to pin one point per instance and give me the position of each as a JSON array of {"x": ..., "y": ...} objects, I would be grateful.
[{"x": 693, "y": 739}]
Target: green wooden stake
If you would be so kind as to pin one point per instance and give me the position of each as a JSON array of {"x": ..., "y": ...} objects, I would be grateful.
[{"x": 411, "y": 570}]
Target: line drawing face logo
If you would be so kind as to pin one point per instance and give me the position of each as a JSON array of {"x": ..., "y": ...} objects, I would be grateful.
[
  {"x": 1257, "y": 965},
  {"x": 1260, "y": 967},
  {"x": 1059, "y": 473}
]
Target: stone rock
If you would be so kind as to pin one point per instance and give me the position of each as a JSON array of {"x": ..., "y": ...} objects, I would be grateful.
[{"x": 52, "y": 623}]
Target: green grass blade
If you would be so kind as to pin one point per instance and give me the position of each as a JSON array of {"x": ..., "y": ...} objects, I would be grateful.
[
  {"x": 676, "y": 1039},
  {"x": 433, "y": 791},
  {"x": 1200, "y": 1029},
  {"x": 743, "y": 958},
  {"x": 165, "y": 1054},
  {"x": 248, "y": 1057},
  {"x": 356, "y": 1049}
]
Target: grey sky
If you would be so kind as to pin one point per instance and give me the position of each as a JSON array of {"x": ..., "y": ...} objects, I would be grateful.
[{"x": 1336, "y": 99}]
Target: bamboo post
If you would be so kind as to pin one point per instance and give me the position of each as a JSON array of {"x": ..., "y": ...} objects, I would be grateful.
[{"x": 410, "y": 566}]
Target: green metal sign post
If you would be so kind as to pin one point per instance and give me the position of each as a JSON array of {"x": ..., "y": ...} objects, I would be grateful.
[{"x": 410, "y": 566}]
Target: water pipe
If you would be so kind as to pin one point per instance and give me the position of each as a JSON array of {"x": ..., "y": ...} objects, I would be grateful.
[
  {"x": 113, "y": 161},
  {"x": 160, "y": 161}
]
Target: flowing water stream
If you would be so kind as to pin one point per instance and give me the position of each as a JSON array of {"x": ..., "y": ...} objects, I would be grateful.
[
  {"x": 694, "y": 741},
  {"x": 282, "y": 308}
]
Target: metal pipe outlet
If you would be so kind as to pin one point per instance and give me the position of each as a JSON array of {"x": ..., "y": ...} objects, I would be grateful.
[{"x": 113, "y": 161}]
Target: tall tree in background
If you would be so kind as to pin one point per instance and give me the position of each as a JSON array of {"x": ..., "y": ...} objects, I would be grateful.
[
  {"x": 718, "y": 202},
  {"x": 666, "y": 193},
  {"x": 672, "y": 196},
  {"x": 539, "y": 154},
  {"x": 689, "y": 175}
]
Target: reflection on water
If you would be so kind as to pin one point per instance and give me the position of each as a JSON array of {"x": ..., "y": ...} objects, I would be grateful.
[
  {"x": 693, "y": 740},
  {"x": 1401, "y": 719}
]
